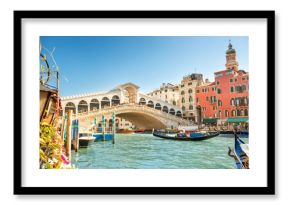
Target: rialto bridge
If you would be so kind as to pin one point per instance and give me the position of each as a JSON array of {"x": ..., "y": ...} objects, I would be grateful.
[{"x": 127, "y": 103}]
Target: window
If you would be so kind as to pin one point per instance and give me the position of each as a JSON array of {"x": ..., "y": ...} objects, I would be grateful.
[
  {"x": 244, "y": 87},
  {"x": 232, "y": 101},
  {"x": 182, "y": 86},
  {"x": 217, "y": 82},
  {"x": 190, "y": 91},
  {"x": 189, "y": 83},
  {"x": 206, "y": 98},
  {"x": 226, "y": 113},
  {"x": 231, "y": 80},
  {"x": 197, "y": 91},
  {"x": 182, "y": 93},
  {"x": 219, "y": 103},
  {"x": 243, "y": 78},
  {"x": 165, "y": 91},
  {"x": 183, "y": 108},
  {"x": 218, "y": 75},
  {"x": 232, "y": 89},
  {"x": 219, "y": 91},
  {"x": 236, "y": 80},
  {"x": 212, "y": 89},
  {"x": 190, "y": 99},
  {"x": 174, "y": 103},
  {"x": 246, "y": 112},
  {"x": 190, "y": 107},
  {"x": 183, "y": 100}
]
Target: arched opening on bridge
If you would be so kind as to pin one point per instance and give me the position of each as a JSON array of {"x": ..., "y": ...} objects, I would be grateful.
[
  {"x": 115, "y": 100},
  {"x": 105, "y": 102},
  {"x": 94, "y": 105},
  {"x": 142, "y": 101},
  {"x": 150, "y": 104},
  {"x": 70, "y": 106},
  {"x": 178, "y": 114},
  {"x": 158, "y": 106},
  {"x": 165, "y": 109},
  {"x": 83, "y": 106},
  {"x": 172, "y": 111}
]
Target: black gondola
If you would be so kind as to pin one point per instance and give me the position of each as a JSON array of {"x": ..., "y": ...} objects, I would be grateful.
[{"x": 183, "y": 137}]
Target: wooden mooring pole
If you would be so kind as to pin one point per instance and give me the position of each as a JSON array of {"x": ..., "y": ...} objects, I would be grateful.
[{"x": 68, "y": 135}]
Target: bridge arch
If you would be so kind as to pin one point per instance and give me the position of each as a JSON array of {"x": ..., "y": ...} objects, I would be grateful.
[
  {"x": 142, "y": 101},
  {"x": 172, "y": 111},
  {"x": 83, "y": 106},
  {"x": 70, "y": 106},
  {"x": 150, "y": 104},
  {"x": 115, "y": 100},
  {"x": 105, "y": 102},
  {"x": 94, "y": 104},
  {"x": 178, "y": 114},
  {"x": 165, "y": 109},
  {"x": 158, "y": 106}
]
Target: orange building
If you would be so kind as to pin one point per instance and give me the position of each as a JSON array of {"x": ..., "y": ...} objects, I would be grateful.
[{"x": 228, "y": 95}]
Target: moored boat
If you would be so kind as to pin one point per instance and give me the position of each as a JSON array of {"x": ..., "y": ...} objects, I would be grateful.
[
  {"x": 103, "y": 137},
  {"x": 85, "y": 139},
  {"x": 240, "y": 153},
  {"x": 194, "y": 136}
]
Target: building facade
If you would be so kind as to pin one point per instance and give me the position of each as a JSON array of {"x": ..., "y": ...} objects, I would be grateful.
[
  {"x": 228, "y": 95},
  {"x": 168, "y": 93},
  {"x": 187, "y": 92}
]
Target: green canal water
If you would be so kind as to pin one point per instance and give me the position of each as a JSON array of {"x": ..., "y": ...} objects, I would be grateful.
[{"x": 144, "y": 151}]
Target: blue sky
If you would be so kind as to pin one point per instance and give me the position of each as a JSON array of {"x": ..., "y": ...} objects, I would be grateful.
[{"x": 100, "y": 63}]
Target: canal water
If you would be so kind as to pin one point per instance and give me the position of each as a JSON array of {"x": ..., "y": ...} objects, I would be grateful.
[{"x": 144, "y": 151}]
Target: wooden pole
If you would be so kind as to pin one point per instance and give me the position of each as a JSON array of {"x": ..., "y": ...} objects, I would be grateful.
[
  {"x": 68, "y": 135},
  {"x": 114, "y": 128},
  {"x": 63, "y": 126},
  {"x": 77, "y": 135}
]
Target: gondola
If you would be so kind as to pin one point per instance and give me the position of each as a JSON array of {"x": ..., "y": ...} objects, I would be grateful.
[
  {"x": 240, "y": 153},
  {"x": 195, "y": 136}
]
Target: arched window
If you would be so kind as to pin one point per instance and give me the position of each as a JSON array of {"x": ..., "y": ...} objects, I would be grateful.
[
  {"x": 190, "y": 91},
  {"x": 242, "y": 113},
  {"x": 190, "y": 99},
  {"x": 220, "y": 114},
  {"x": 105, "y": 102},
  {"x": 182, "y": 92},
  {"x": 182, "y": 100},
  {"x": 246, "y": 112},
  {"x": 150, "y": 104},
  {"x": 94, "y": 105},
  {"x": 190, "y": 107},
  {"x": 183, "y": 108},
  {"x": 219, "y": 91},
  {"x": 226, "y": 113},
  {"x": 238, "y": 113},
  {"x": 178, "y": 114},
  {"x": 165, "y": 109},
  {"x": 172, "y": 111},
  {"x": 232, "y": 101},
  {"x": 115, "y": 100},
  {"x": 142, "y": 101},
  {"x": 70, "y": 106},
  {"x": 233, "y": 113},
  {"x": 82, "y": 106},
  {"x": 158, "y": 106},
  {"x": 219, "y": 103}
]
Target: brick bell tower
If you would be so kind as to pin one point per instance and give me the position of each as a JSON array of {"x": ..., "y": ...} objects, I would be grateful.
[{"x": 231, "y": 58}]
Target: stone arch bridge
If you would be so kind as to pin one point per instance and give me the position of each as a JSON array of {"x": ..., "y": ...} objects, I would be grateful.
[
  {"x": 128, "y": 103},
  {"x": 141, "y": 116}
]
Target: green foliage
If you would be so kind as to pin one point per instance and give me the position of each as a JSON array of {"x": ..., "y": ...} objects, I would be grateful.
[{"x": 50, "y": 147}]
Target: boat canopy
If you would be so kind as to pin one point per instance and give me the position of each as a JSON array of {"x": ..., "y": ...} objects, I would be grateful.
[
  {"x": 209, "y": 121},
  {"x": 237, "y": 120}
]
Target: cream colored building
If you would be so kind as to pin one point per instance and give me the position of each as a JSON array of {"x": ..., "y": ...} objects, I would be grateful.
[
  {"x": 187, "y": 99},
  {"x": 168, "y": 93}
]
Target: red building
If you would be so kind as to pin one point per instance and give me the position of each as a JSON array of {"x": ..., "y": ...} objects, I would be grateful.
[{"x": 228, "y": 95}]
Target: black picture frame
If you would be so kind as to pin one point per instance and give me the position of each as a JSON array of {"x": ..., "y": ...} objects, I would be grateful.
[{"x": 268, "y": 190}]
